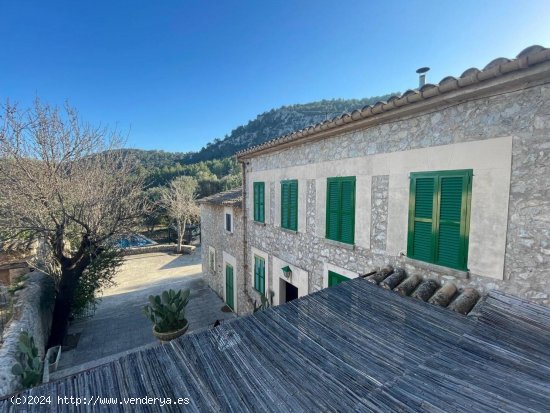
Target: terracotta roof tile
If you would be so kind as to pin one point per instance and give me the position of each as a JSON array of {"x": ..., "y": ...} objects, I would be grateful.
[{"x": 232, "y": 197}]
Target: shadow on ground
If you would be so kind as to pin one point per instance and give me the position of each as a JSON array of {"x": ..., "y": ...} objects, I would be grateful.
[{"x": 119, "y": 324}]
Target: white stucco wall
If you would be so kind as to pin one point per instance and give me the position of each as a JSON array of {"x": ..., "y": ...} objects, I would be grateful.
[
  {"x": 490, "y": 160},
  {"x": 299, "y": 279}
]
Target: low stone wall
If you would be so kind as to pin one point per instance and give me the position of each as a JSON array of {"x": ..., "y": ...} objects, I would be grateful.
[
  {"x": 186, "y": 249},
  {"x": 32, "y": 312}
]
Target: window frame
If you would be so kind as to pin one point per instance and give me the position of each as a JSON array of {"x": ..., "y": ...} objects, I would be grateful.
[
  {"x": 230, "y": 215},
  {"x": 465, "y": 215},
  {"x": 257, "y": 203},
  {"x": 289, "y": 182},
  {"x": 340, "y": 180}
]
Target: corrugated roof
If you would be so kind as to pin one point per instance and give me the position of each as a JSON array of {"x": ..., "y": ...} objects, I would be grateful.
[
  {"x": 530, "y": 56},
  {"x": 353, "y": 347},
  {"x": 232, "y": 197}
]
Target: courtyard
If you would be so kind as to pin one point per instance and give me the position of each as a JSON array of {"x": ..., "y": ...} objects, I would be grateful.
[{"x": 119, "y": 325}]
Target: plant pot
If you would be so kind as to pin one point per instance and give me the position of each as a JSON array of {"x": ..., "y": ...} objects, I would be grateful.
[
  {"x": 53, "y": 353},
  {"x": 170, "y": 335}
]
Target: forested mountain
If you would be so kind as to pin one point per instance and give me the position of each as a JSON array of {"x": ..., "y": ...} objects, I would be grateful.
[
  {"x": 212, "y": 166},
  {"x": 278, "y": 122}
]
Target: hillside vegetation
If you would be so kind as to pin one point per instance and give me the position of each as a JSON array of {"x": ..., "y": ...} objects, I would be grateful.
[{"x": 213, "y": 166}]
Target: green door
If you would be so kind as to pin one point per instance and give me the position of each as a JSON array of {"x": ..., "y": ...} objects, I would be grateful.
[
  {"x": 229, "y": 286},
  {"x": 335, "y": 278}
]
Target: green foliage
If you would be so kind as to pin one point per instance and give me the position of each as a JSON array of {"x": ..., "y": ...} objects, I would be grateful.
[
  {"x": 277, "y": 122},
  {"x": 214, "y": 166},
  {"x": 30, "y": 366},
  {"x": 97, "y": 276},
  {"x": 156, "y": 213},
  {"x": 167, "y": 311},
  {"x": 264, "y": 304}
]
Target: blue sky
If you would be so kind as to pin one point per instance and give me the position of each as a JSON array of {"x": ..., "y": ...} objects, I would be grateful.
[{"x": 177, "y": 74}]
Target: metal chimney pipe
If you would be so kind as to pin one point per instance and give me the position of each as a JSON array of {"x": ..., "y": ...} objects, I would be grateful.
[{"x": 422, "y": 76}]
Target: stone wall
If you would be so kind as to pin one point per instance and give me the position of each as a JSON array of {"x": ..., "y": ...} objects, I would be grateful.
[
  {"x": 523, "y": 115},
  {"x": 214, "y": 235},
  {"x": 33, "y": 311},
  {"x": 379, "y": 208}
]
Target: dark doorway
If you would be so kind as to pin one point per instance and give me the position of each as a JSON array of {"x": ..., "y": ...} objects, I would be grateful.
[{"x": 291, "y": 292}]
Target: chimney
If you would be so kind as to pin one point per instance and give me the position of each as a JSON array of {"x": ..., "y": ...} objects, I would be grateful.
[{"x": 422, "y": 76}]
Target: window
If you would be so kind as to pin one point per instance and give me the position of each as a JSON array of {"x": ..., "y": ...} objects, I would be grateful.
[
  {"x": 212, "y": 259},
  {"x": 228, "y": 222},
  {"x": 259, "y": 274},
  {"x": 289, "y": 205},
  {"x": 259, "y": 201},
  {"x": 334, "y": 278},
  {"x": 439, "y": 217},
  {"x": 340, "y": 224}
]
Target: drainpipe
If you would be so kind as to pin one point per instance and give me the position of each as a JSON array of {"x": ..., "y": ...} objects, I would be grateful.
[{"x": 245, "y": 237}]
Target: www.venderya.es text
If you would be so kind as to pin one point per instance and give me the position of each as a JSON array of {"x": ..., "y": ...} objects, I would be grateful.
[{"x": 99, "y": 400}]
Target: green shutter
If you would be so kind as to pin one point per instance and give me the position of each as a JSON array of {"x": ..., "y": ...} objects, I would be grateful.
[
  {"x": 439, "y": 217},
  {"x": 340, "y": 222},
  {"x": 289, "y": 205},
  {"x": 259, "y": 274},
  {"x": 335, "y": 278},
  {"x": 259, "y": 201},
  {"x": 293, "y": 212},
  {"x": 453, "y": 199},
  {"x": 347, "y": 218},
  {"x": 262, "y": 276},
  {"x": 421, "y": 226},
  {"x": 262, "y": 202},
  {"x": 333, "y": 209},
  {"x": 229, "y": 286},
  {"x": 285, "y": 197}
]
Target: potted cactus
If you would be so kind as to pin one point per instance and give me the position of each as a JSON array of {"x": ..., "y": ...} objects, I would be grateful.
[{"x": 167, "y": 312}]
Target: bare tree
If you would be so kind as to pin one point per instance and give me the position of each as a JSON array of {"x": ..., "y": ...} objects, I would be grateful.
[
  {"x": 65, "y": 182},
  {"x": 179, "y": 200}
]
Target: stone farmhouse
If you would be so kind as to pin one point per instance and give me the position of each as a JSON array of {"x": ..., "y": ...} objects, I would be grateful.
[{"x": 450, "y": 181}]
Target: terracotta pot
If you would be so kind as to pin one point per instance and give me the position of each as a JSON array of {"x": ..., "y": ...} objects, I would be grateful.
[{"x": 171, "y": 334}]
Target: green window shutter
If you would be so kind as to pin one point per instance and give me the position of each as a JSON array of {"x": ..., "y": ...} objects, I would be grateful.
[
  {"x": 347, "y": 218},
  {"x": 333, "y": 209},
  {"x": 340, "y": 222},
  {"x": 293, "y": 209},
  {"x": 256, "y": 275},
  {"x": 289, "y": 205},
  {"x": 259, "y": 274},
  {"x": 335, "y": 278},
  {"x": 285, "y": 197},
  {"x": 439, "y": 217},
  {"x": 229, "y": 286},
  {"x": 453, "y": 200},
  {"x": 261, "y": 206},
  {"x": 259, "y": 202},
  {"x": 421, "y": 221},
  {"x": 262, "y": 276}
]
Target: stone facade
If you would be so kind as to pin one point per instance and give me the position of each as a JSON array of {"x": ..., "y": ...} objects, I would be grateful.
[
  {"x": 379, "y": 208},
  {"x": 32, "y": 312},
  {"x": 228, "y": 248},
  {"x": 520, "y": 118}
]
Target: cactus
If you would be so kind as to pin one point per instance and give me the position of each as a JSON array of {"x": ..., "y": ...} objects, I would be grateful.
[
  {"x": 264, "y": 304},
  {"x": 167, "y": 311},
  {"x": 30, "y": 366}
]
